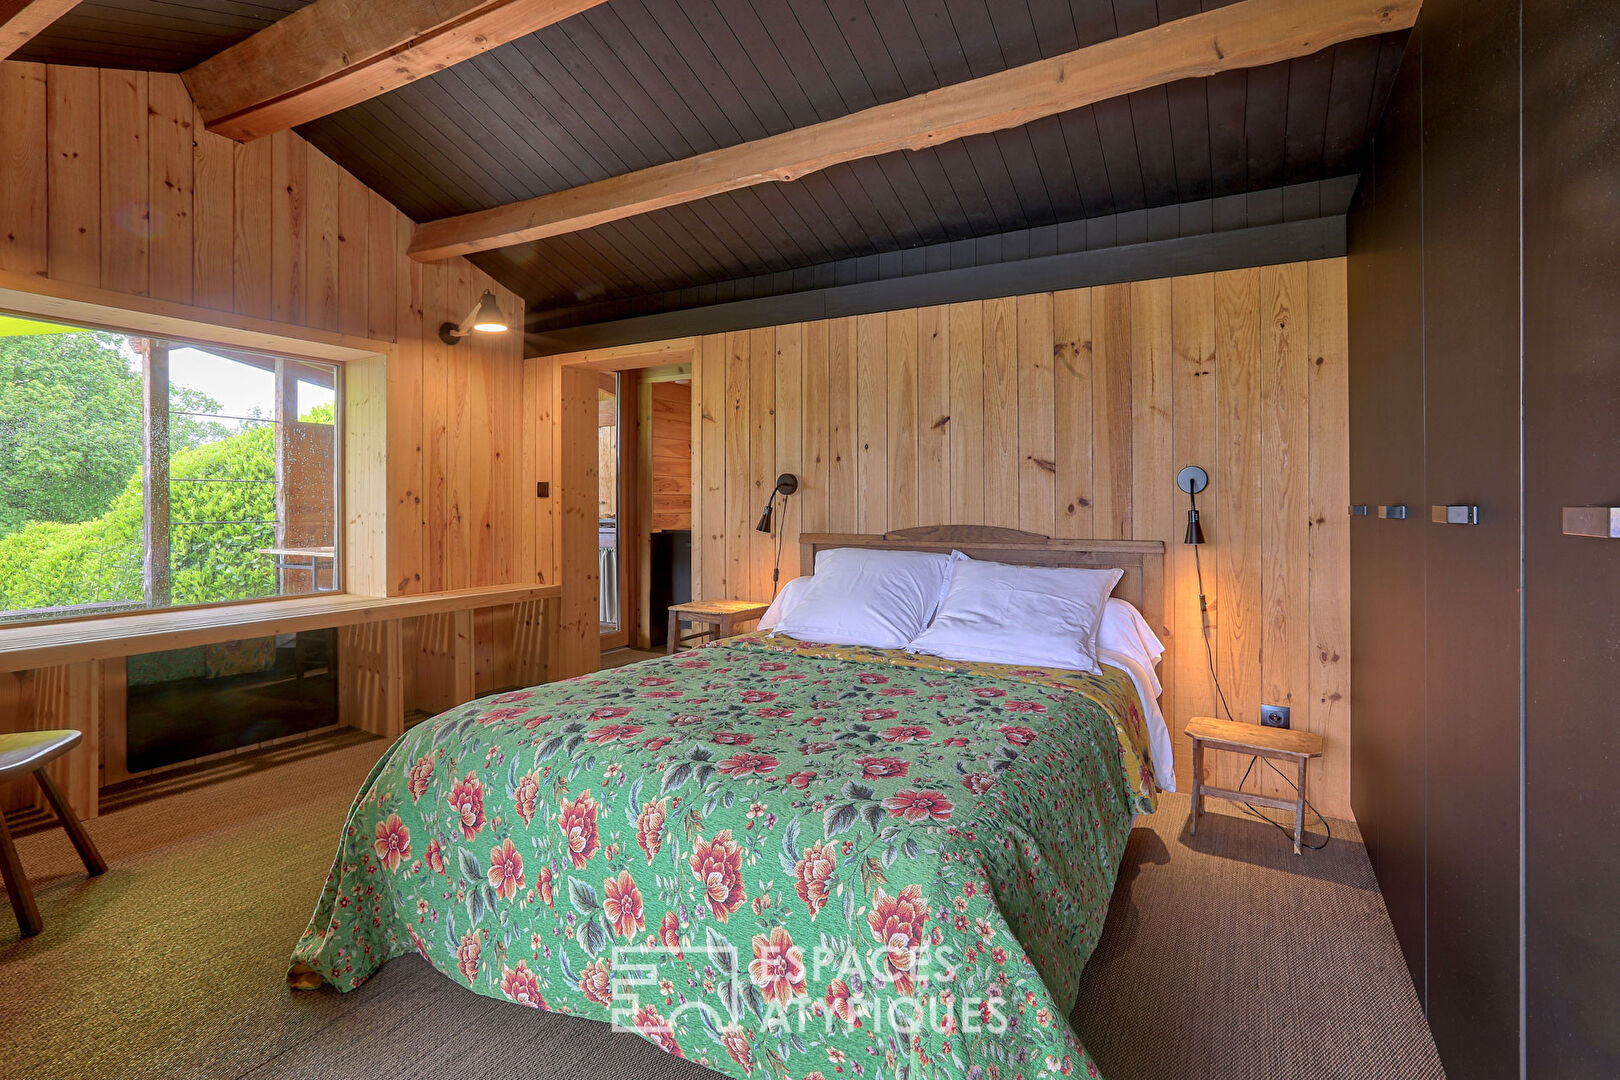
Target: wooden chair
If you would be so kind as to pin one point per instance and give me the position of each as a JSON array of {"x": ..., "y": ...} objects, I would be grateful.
[{"x": 29, "y": 752}]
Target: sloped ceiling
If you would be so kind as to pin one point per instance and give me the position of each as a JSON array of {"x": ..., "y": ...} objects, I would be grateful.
[{"x": 634, "y": 83}]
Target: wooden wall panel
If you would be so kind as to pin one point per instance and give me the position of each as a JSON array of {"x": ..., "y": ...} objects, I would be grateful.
[
  {"x": 670, "y": 475},
  {"x": 1071, "y": 413}
]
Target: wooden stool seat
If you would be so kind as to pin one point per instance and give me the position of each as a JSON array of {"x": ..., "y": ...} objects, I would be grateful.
[
  {"x": 1280, "y": 743},
  {"x": 720, "y": 616},
  {"x": 25, "y": 751},
  {"x": 29, "y": 752}
]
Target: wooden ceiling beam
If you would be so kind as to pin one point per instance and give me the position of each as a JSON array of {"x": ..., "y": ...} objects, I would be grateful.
[
  {"x": 1246, "y": 34},
  {"x": 337, "y": 53},
  {"x": 20, "y": 20}
]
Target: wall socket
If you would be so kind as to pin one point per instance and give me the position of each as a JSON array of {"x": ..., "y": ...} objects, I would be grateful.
[{"x": 1274, "y": 716}]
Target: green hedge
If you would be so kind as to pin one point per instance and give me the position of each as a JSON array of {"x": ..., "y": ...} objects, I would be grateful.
[{"x": 49, "y": 564}]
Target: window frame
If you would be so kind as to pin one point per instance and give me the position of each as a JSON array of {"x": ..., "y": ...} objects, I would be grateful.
[{"x": 171, "y": 341}]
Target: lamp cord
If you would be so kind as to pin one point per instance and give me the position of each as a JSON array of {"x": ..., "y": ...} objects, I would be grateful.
[
  {"x": 1209, "y": 654},
  {"x": 781, "y": 532}
]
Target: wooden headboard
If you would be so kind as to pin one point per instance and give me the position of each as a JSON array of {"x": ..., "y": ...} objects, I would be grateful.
[{"x": 1142, "y": 560}]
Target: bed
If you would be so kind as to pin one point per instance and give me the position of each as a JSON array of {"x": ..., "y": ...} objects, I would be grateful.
[{"x": 768, "y": 855}]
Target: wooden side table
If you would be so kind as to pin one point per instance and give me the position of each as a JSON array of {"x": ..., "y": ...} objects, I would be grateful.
[
  {"x": 719, "y": 616},
  {"x": 1281, "y": 743}
]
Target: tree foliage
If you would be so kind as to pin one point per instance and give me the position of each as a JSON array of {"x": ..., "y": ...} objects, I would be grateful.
[{"x": 70, "y": 426}]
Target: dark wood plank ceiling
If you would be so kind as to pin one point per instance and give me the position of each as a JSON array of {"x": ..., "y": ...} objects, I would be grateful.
[
  {"x": 633, "y": 83},
  {"x": 151, "y": 35}
]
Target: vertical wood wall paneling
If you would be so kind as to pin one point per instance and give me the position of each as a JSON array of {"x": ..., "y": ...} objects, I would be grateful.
[
  {"x": 289, "y": 198},
  {"x": 1327, "y": 555},
  {"x": 739, "y": 532},
  {"x": 669, "y": 454},
  {"x": 1234, "y": 527},
  {"x": 815, "y": 452},
  {"x": 1037, "y": 437},
  {"x": 842, "y": 512},
  {"x": 933, "y": 415},
  {"x": 1193, "y": 442},
  {"x": 1072, "y": 349},
  {"x": 126, "y": 209},
  {"x": 253, "y": 223},
  {"x": 1071, "y": 413},
  {"x": 759, "y": 482},
  {"x": 900, "y": 372},
  {"x": 23, "y": 239},
  {"x": 321, "y": 241},
  {"x": 709, "y": 448},
  {"x": 1284, "y": 480},
  {"x": 1153, "y": 469},
  {"x": 871, "y": 491},
  {"x": 965, "y": 342},
  {"x": 213, "y": 220},
  {"x": 1111, "y": 426},
  {"x": 172, "y": 167},
  {"x": 579, "y": 630},
  {"x": 73, "y": 175},
  {"x": 789, "y": 448},
  {"x": 1000, "y": 450}
]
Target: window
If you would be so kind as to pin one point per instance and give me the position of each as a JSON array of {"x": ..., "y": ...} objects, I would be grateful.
[{"x": 142, "y": 473}]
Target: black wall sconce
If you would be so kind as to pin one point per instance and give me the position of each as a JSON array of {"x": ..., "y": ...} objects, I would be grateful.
[
  {"x": 786, "y": 484},
  {"x": 1192, "y": 480},
  {"x": 485, "y": 318}
]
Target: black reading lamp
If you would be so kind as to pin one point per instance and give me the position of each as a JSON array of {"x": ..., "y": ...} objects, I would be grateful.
[
  {"x": 1192, "y": 480},
  {"x": 786, "y": 485}
]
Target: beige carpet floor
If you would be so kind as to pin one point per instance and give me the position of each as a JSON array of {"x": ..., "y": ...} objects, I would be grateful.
[{"x": 1225, "y": 956}]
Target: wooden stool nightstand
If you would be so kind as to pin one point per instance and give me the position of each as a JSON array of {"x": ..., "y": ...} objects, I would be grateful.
[
  {"x": 1280, "y": 743},
  {"x": 720, "y": 616}
]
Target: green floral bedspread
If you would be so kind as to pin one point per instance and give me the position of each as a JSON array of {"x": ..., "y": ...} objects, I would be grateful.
[{"x": 763, "y": 855}]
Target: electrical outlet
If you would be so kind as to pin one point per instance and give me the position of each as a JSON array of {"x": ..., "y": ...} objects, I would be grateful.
[{"x": 1274, "y": 716}]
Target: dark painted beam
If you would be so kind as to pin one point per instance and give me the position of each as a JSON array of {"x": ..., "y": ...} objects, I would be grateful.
[{"x": 1260, "y": 245}]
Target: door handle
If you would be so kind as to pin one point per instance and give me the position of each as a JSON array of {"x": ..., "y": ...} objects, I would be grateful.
[
  {"x": 1454, "y": 515},
  {"x": 1397, "y": 512},
  {"x": 1599, "y": 521}
]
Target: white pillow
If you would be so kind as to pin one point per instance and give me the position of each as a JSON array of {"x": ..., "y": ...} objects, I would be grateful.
[
  {"x": 1042, "y": 616},
  {"x": 785, "y": 601},
  {"x": 858, "y": 596}
]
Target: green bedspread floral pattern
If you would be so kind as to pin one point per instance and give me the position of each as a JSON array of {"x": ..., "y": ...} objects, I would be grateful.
[{"x": 764, "y": 855}]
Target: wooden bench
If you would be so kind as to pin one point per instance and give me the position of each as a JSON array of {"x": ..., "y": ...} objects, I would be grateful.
[
  {"x": 69, "y": 674},
  {"x": 1282, "y": 744}
]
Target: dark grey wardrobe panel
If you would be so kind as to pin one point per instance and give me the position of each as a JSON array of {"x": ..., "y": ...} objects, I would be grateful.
[
  {"x": 1572, "y": 585},
  {"x": 1385, "y": 282},
  {"x": 1471, "y": 410}
]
